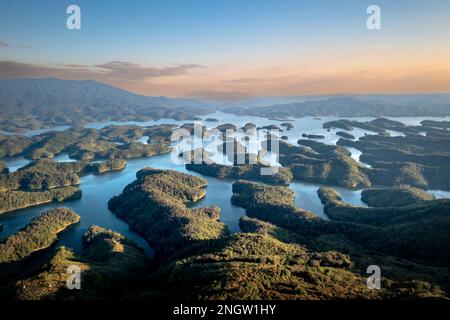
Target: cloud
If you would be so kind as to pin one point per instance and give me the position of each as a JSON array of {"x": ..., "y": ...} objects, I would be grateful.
[
  {"x": 107, "y": 72},
  {"x": 4, "y": 44},
  {"x": 255, "y": 81},
  {"x": 13, "y": 69},
  {"x": 76, "y": 66},
  {"x": 245, "y": 80},
  {"x": 129, "y": 71}
]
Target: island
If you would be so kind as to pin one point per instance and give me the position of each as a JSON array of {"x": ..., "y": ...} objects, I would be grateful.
[
  {"x": 155, "y": 205},
  {"x": 39, "y": 234},
  {"x": 345, "y": 135},
  {"x": 110, "y": 265},
  {"x": 398, "y": 196},
  {"x": 313, "y": 136}
]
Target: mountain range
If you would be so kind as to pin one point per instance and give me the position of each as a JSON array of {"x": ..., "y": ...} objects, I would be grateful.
[{"x": 27, "y": 104}]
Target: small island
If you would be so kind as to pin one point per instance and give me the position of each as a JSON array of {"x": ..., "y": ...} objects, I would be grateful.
[
  {"x": 313, "y": 136},
  {"x": 398, "y": 196},
  {"x": 345, "y": 135},
  {"x": 155, "y": 205},
  {"x": 39, "y": 234}
]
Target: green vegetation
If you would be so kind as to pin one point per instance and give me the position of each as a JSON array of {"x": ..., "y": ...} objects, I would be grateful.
[
  {"x": 341, "y": 124},
  {"x": 47, "y": 174},
  {"x": 110, "y": 264},
  {"x": 118, "y": 142},
  {"x": 349, "y": 106},
  {"x": 252, "y": 225},
  {"x": 45, "y": 181},
  {"x": 428, "y": 151},
  {"x": 246, "y": 194},
  {"x": 3, "y": 167},
  {"x": 124, "y": 134},
  {"x": 155, "y": 206},
  {"x": 313, "y": 136},
  {"x": 159, "y": 133},
  {"x": 282, "y": 252},
  {"x": 254, "y": 266},
  {"x": 436, "y": 124},
  {"x": 194, "y": 128},
  {"x": 29, "y": 104},
  {"x": 345, "y": 135},
  {"x": 287, "y": 125},
  {"x": 395, "y": 197},
  {"x": 102, "y": 150},
  {"x": 13, "y": 200},
  {"x": 280, "y": 176},
  {"x": 258, "y": 171},
  {"x": 320, "y": 163},
  {"x": 270, "y": 127},
  {"x": 39, "y": 234},
  {"x": 379, "y": 125},
  {"x": 226, "y": 127},
  {"x": 419, "y": 161},
  {"x": 37, "y": 176},
  {"x": 259, "y": 199},
  {"x": 368, "y": 235},
  {"x": 236, "y": 152},
  {"x": 108, "y": 165},
  {"x": 13, "y": 145},
  {"x": 416, "y": 231}
]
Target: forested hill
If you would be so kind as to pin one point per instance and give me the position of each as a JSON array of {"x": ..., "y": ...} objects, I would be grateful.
[
  {"x": 436, "y": 105},
  {"x": 36, "y": 103}
]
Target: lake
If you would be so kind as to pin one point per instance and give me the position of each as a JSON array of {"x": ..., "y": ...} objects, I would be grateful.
[{"x": 98, "y": 189}]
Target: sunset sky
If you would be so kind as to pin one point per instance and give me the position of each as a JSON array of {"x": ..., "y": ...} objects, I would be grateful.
[{"x": 231, "y": 49}]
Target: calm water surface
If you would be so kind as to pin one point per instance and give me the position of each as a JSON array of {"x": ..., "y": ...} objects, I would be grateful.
[{"x": 98, "y": 189}]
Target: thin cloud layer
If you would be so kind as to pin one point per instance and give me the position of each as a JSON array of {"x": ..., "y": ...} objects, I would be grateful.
[
  {"x": 4, "y": 44},
  {"x": 122, "y": 70},
  {"x": 182, "y": 80},
  {"x": 220, "y": 95},
  {"x": 108, "y": 72}
]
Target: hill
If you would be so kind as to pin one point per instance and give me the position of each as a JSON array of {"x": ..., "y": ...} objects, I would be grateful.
[
  {"x": 355, "y": 106},
  {"x": 35, "y": 103}
]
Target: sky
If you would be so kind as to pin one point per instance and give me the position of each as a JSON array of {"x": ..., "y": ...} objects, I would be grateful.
[{"x": 232, "y": 49}]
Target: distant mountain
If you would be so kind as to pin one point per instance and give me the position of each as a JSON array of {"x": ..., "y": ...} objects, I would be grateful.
[
  {"x": 27, "y": 104},
  {"x": 35, "y": 103},
  {"x": 436, "y": 105}
]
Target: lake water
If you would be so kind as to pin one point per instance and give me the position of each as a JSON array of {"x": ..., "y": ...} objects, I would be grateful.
[{"x": 98, "y": 189}]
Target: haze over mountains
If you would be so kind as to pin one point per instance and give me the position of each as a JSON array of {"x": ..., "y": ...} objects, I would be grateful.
[
  {"x": 402, "y": 105},
  {"x": 35, "y": 103},
  {"x": 29, "y": 92}
]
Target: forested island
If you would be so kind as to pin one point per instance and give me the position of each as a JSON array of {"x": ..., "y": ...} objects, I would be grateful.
[
  {"x": 155, "y": 205},
  {"x": 280, "y": 250},
  {"x": 214, "y": 159},
  {"x": 111, "y": 142},
  {"x": 279, "y": 246},
  {"x": 44, "y": 181},
  {"x": 39, "y": 234}
]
